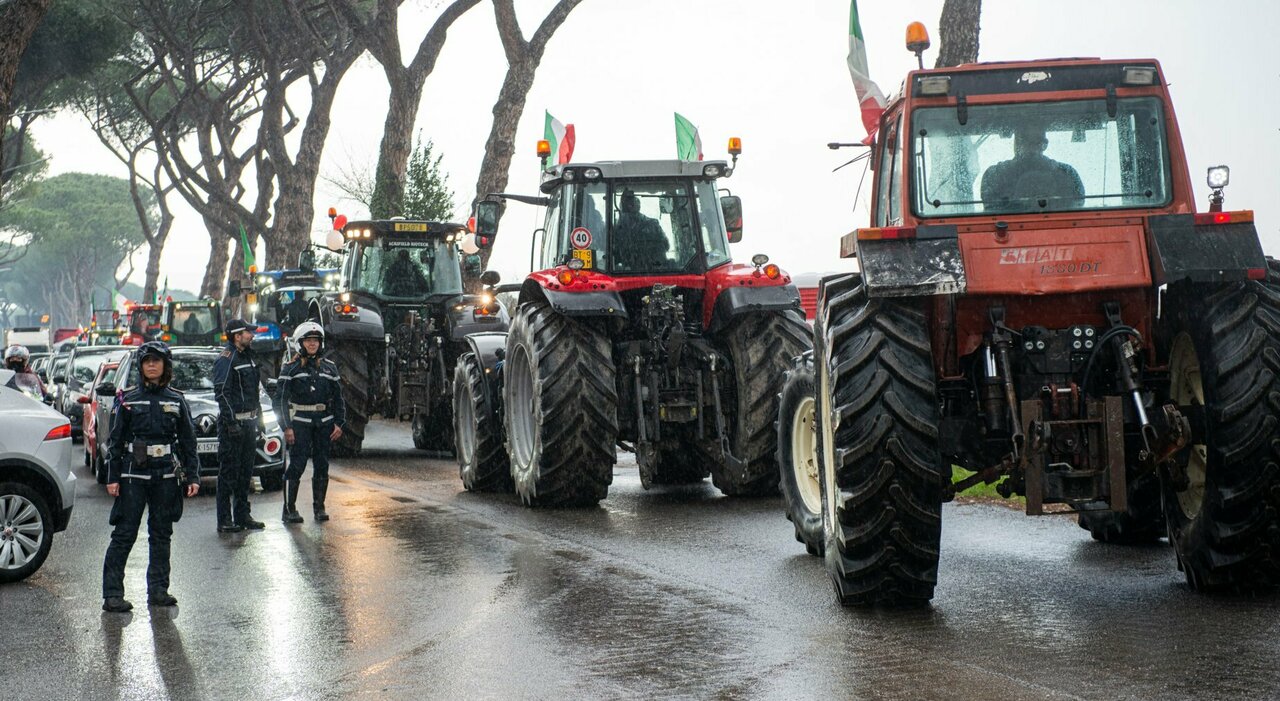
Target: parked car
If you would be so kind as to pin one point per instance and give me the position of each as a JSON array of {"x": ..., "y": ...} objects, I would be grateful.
[
  {"x": 193, "y": 376},
  {"x": 97, "y": 412},
  {"x": 81, "y": 368},
  {"x": 37, "y": 487},
  {"x": 39, "y": 365}
]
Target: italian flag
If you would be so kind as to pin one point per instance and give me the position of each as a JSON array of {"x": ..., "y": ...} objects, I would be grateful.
[
  {"x": 688, "y": 143},
  {"x": 870, "y": 99},
  {"x": 561, "y": 137}
]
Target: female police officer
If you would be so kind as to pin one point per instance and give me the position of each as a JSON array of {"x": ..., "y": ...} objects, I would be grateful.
[
  {"x": 148, "y": 424},
  {"x": 309, "y": 404}
]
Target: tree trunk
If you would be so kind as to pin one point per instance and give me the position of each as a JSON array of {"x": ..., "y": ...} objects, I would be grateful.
[
  {"x": 150, "y": 286},
  {"x": 18, "y": 21},
  {"x": 500, "y": 148},
  {"x": 397, "y": 144},
  {"x": 219, "y": 254},
  {"x": 958, "y": 32}
]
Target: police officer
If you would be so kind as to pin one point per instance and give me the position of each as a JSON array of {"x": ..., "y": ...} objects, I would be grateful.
[
  {"x": 18, "y": 359},
  {"x": 309, "y": 403},
  {"x": 149, "y": 423},
  {"x": 235, "y": 386}
]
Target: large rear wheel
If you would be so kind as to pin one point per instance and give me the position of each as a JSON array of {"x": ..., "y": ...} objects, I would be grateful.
[
  {"x": 1222, "y": 495},
  {"x": 482, "y": 459},
  {"x": 560, "y": 408},
  {"x": 761, "y": 348},
  {"x": 798, "y": 455},
  {"x": 878, "y": 416},
  {"x": 353, "y": 367}
]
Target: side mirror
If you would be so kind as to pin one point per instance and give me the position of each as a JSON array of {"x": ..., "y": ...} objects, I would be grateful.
[
  {"x": 731, "y": 205},
  {"x": 490, "y": 278},
  {"x": 487, "y": 214},
  {"x": 234, "y": 289},
  {"x": 106, "y": 389}
]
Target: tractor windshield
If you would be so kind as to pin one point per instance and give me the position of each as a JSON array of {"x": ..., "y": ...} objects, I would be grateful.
[
  {"x": 287, "y": 306},
  {"x": 1040, "y": 157},
  {"x": 397, "y": 269},
  {"x": 654, "y": 226},
  {"x": 194, "y": 321}
]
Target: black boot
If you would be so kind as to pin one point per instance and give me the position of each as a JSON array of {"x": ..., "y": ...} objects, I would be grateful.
[
  {"x": 116, "y": 604},
  {"x": 162, "y": 597},
  {"x": 318, "y": 489},
  {"x": 290, "y": 514}
]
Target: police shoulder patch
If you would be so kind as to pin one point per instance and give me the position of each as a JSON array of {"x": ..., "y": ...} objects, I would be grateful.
[{"x": 226, "y": 353}]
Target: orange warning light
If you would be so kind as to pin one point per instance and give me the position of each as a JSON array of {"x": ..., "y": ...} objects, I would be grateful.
[
  {"x": 917, "y": 37},
  {"x": 735, "y": 146},
  {"x": 544, "y": 148}
]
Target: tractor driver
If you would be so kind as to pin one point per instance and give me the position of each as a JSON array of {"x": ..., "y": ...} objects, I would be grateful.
[
  {"x": 1022, "y": 182},
  {"x": 639, "y": 240},
  {"x": 404, "y": 279}
]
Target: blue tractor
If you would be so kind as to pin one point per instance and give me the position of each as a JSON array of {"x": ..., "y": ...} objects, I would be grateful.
[{"x": 281, "y": 299}]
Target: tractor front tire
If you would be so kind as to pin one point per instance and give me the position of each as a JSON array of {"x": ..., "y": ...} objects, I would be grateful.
[
  {"x": 798, "y": 455},
  {"x": 560, "y": 408},
  {"x": 878, "y": 414},
  {"x": 482, "y": 458},
  {"x": 761, "y": 348},
  {"x": 1222, "y": 497},
  {"x": 353, "y": 368}
]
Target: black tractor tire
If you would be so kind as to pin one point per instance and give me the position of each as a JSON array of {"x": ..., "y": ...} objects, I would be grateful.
[
  {"x": 434, "y": 430},
  {"x": 560, "y": 408},
  {"x": 33, "y": 522},
  {"x": 353, "y": 367},
  {"x": 679, "y": 460},
  {"x": 878, "y": 413},
  {"x": 478, "y": 439},
  {"x": 798, "y": 455},
  {"x": 1224, "y": 519},
  {"x": 1141, "y": 524},
  {"x": 761, "y": 348}
]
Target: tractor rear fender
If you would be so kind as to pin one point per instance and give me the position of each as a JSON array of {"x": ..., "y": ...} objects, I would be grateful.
[
  {"x": 929, "y": 264},
  {"x": 489, "y": 347},
  {"x": 586, "y": 302},
  {"x": 1184, "y": 250},
  {"x": 735, "y": 301},
  {"x": 464, "y": 322},
  {"x": 364, "y": 325}
]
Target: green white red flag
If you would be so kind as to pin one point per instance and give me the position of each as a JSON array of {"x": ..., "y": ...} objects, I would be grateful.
[
  {"x": 561, "y": 136},
  {"x": 870, "y": 100},
  {"x": 688, "y": 142}
]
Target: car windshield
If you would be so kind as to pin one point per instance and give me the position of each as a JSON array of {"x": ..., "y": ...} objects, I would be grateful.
[
  {"x": 85, "y": 365},
  {"x": 408, "y": 270},
  {"x": 193, "y": 373},
  {"x": 1040, "y": 157},
  {"x": 193, "y": 320}
]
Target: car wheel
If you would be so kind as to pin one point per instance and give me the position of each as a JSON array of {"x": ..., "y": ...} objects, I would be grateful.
[{"x": 26, "y": 531}]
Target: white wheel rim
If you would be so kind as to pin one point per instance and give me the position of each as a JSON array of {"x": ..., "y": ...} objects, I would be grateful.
[
  {"x": 1187, "y": 389},
  {"x": 21, "y": 531},
  {"x": 824, "y": 418},
  {"x": 804, "y": 455}
]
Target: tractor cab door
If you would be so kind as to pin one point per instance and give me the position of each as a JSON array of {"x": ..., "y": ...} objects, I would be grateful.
[{"x": 887, "y": 197}]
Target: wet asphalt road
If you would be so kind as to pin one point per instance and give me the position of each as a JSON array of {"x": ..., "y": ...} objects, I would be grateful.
[{"x": 417, "y": 589}]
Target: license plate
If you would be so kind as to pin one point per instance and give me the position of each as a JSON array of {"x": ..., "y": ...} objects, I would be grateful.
[
  {"x": 584, "y": 255},
  {"x": 207, "y": 447},
  {"x": 410, "y": 226}
]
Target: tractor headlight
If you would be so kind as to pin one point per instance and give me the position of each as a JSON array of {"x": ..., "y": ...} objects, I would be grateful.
[
  {"x": 591, "y": 173},
  {"x": 759, "y": 259},
  {"x": 1219, "y": 176},
  {"x": 712, "y": 171}
]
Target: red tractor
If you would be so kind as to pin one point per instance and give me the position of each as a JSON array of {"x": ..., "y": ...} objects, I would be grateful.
[
  {"x": 1039, "y": 303},
  {"x": 636, "y": 331},
  {"x": 141, "y": 323}
]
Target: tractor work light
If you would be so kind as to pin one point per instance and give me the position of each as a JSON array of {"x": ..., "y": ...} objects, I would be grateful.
[
  {"x": 935, "y": 85},
  {"x": 569, "y": 175},
  {"x": 1218, "y": 177},
  {"x": 759, "y": 259},
  {"x": 574, "y": 264},
  {"x": 1139, "y": 75},
  {"x": 591, "y": 173},
  {"x": 711, "y": 170}
]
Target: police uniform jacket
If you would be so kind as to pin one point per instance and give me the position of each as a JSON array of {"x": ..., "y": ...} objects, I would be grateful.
[
  {"x": 143, "y": 418},
  {"x": 235, "y": 384},
  {"x": 310, "y": 393}
]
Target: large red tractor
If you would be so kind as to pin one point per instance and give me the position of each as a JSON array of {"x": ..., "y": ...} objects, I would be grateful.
[
  {"x": 1039, "y": 303},
  {"x": 636, "y": 331}
]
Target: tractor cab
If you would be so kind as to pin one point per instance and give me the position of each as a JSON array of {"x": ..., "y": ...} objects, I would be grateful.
[
  {"x": 141, "y": 323},
  {"x": 192, "y": 323},
  {"x": 402, "y": 262}
]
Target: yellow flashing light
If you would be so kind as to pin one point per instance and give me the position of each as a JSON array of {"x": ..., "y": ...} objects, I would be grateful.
[
  {"x": 544, "y": 148},
  {"x": 735, "y": 146}
]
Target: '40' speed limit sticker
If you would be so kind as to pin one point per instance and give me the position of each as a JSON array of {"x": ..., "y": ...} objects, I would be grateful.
[{"x": 580, "y": 238}]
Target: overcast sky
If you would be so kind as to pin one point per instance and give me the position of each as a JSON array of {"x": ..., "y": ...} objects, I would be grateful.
[{"x": 772, "y": 72}]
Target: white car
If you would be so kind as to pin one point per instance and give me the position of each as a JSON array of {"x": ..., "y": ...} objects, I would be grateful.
[{"x": 37, "y": 487}]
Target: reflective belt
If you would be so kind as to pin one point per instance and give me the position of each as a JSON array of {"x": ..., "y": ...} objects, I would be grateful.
[
  {"x": 306, "y": 407},
  {"x": 159, "y": 451},
  {"x": 166, "y": 476},
  {"x": 308, "y": 419},
  {"x": 246, "y": 416}
]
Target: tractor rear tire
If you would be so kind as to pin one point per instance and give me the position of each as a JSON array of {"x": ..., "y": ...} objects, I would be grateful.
[
  {"x": 761, "y": 348},
  {"x": 1141, "y": 524},
  {"x": 560, "y": 402},
  {"x": 878, "y": 413},
  {"x": 798, "y": 455},
  {"x": 1222, "y": 500},
  {"x": 482, "y": 458},
  {"x": 353, "y": 368}
]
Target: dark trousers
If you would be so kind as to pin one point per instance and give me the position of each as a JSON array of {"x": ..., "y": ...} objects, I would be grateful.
[
  {"x": 235, "y": 469},
  {"x": 161, "y": 497},
  {"x": 310, "y": 440}
]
